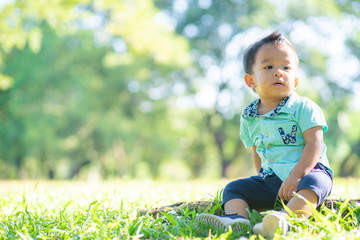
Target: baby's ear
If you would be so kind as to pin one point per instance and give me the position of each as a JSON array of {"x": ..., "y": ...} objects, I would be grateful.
[
  {"x": 249, "y": 80},
  {"x": 297, "y": 80}
]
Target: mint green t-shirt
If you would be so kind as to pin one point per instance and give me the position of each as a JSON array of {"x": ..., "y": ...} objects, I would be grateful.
[{"x": 278, "y": 135}]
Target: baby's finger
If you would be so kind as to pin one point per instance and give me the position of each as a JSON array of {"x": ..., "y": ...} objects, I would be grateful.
[
  {"x": 290, "y": 195},
  {"x": 282, "y": 194}
]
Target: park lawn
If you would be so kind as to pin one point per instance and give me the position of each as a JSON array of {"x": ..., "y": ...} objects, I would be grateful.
[{"x": 110, "y": 210}]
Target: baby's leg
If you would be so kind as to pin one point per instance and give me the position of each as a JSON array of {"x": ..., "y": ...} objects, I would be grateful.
[
  {"x": 240, "y": 195},
  {"x": 314, "y": 187},
  {"x": 237, "y": 206},
  {"x": 250, "y": 193},
  {"x": 274, "y": 220},
  {"x": 299, "y": 206}
]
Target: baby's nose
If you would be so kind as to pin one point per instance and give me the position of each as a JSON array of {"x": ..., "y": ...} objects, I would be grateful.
[{"x": 278, "y": 74}]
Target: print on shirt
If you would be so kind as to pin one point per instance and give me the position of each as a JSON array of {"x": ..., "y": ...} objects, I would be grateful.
[{"x": 288, "y": 138}]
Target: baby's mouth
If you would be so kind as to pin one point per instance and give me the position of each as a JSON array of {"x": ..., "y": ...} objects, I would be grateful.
[{"x": 279, "y": 84}]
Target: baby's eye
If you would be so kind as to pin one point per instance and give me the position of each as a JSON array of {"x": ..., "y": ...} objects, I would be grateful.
[
  {"x": 287, "y": 68},
  {"x": 268, "y": 67}
]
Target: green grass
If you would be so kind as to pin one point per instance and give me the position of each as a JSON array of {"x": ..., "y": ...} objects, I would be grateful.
[{"x": 110, "y": 210}]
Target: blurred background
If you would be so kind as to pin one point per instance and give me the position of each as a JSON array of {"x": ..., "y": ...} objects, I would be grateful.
[{"x": 106, "y": 89}]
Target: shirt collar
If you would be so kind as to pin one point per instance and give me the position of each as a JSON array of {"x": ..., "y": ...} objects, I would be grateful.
[{"x": 284, "y": 106}]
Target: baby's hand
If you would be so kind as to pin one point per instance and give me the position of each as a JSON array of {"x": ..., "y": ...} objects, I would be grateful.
[{"x": 288, "y": 187}]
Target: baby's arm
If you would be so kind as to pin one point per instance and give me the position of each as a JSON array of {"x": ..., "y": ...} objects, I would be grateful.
[
  {"x": 256, "y": 159},
  {"x": 313, "y": 138}
]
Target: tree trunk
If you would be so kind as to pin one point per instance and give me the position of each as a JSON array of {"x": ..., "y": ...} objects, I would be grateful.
[
  {"x": 76, "y": 170},
  {"x": 220, "y": 138},
  {"x": 19, "y": 159},
  {"x": 348, "y": 168}
]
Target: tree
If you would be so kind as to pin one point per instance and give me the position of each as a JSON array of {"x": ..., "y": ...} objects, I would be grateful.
[
  {"x": 126, "y": 86},
  {"x": 76, "y": 99},
  {"x": 219, "y": 31}
]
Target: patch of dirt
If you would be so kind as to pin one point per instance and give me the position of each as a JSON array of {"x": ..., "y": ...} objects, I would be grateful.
[
  {"x": 198, "y": 206},
  {"x": 202, "y": 206}
]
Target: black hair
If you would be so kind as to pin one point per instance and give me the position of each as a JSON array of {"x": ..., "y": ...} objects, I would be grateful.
[{"x": 274, "y": 38}]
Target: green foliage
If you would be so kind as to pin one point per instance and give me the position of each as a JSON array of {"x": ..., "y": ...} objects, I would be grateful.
[
  {"x": 74, "y": 210},
  {"x": 56, "y": 112},
  {"x": 127, "y": 88}
]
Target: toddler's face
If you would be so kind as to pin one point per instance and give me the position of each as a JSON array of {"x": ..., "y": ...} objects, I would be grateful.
[{"x": 274, "y": 71}]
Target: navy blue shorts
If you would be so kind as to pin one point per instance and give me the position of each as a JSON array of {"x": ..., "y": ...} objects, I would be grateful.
[{"x": 261, "y": 193}]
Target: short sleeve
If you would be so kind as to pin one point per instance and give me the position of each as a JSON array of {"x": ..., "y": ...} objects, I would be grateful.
[
  {"x": 244, "y": 133},
  {"x": 311, "y": 115}
]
